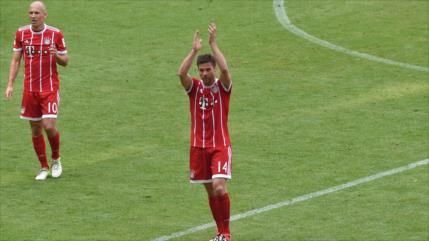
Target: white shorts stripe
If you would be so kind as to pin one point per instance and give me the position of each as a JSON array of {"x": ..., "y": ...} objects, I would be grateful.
[
  {"x": 200, "y": 181},
  {"x": 221, "y": 176},
  {"x": 30, "y": 118},
  {"x": 229, "y": 160},
  {"x": 49, "y": 116}
]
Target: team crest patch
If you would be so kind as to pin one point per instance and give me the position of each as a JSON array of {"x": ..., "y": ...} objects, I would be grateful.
[
  {"x": 215, "y": 89},
  {"x": 192, "y": 174},
  {"x": 22, "y": 110},
  {"x": 46, "y": 41},
  {"x": 26, "y": 41}
]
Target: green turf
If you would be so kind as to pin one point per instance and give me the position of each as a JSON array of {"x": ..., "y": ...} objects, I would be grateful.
[{"x": 303, "y": 118}]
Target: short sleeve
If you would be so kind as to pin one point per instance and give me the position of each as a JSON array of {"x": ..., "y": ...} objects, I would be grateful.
[
  {"x": 192, "y": 89},
  {"x": 60, "y": 44},
  {"x": 227, "y": 89},
  {"x": 224, "y": 89},
  {"x": 17, "y": 44}
]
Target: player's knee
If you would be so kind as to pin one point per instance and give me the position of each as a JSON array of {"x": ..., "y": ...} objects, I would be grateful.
[
  {"x": 36, "y": 128},
  {"x": 36, "y": 131},
  {"x": 50, "y": 128},
  {"x": 219, "y": 189}
]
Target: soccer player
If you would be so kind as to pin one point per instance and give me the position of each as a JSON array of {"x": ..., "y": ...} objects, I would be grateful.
[
  {"x": 42, "y": 48},
  {"x": 210, "y": 152}
]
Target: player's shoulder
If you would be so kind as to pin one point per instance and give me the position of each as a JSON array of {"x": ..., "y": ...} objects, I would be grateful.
[
  {"x": 52, "y": 28},
  {"x": 226, "y": 89},
  {"x": 23, "y": 28},
  {"x": 196, "y": 81}
]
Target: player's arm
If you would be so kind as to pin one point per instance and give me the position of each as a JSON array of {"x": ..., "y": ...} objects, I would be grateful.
[
  {"x": 13, "y": 72},
  {"x": 61, "y": 58},
  {"x": 184, "y": 76},
  {"x": 225, "y": 76}
]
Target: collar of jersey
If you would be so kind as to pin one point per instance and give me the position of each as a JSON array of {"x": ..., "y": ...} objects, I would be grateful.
[
  {"x": 207, "y": 87},
  {"x": 40, "y": 32}
]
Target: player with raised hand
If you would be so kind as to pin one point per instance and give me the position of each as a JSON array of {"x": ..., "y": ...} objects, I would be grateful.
[{"x": 210, "y": 151}]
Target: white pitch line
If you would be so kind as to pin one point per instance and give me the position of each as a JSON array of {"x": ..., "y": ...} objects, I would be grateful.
[
  {"x": 282, "y": 17},
  {"x": 298, "y": 199}
]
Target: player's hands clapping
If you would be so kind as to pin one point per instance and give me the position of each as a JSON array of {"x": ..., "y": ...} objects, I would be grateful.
[
  {"x": 197, "y": 41},
  {"x": 212, "y": 33},
  {"x": 197, "y": 38}
]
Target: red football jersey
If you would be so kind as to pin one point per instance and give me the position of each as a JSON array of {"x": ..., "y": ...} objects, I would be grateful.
[
  {"x": 209, "y": 107},
  {"x": 40, "y": 72}
]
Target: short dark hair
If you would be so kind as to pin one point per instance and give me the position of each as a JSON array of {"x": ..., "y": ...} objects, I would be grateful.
[{"x": 206, "y": 58}]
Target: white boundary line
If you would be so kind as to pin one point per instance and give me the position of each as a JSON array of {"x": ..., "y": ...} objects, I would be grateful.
[
  {"x": 298, "y": 199},
  {"x": 280, "y": 11}
]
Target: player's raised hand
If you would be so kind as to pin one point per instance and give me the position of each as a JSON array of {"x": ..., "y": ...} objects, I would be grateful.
[
  {"x": 212, "y": 33},
  {"x": 197, "y": 41},
  {"x": 8, "y": 93}
]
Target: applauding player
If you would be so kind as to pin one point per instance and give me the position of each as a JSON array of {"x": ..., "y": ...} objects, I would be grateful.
[{"x": 210, "y": 152}]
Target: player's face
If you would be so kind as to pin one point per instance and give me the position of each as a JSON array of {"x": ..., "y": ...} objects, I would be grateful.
[
  {"x": 207, "y": 72},
  {"x": 37, "y": 15}
]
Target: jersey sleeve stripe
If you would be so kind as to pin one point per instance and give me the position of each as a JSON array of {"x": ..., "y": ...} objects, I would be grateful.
[
  {"x": 225, "y": 88},
  {"x": 190, "y": 88},
  {"x": 62, "y": 52}
]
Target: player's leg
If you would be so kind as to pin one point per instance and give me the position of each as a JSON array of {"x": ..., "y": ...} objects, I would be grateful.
[
  {"x": 49, "y": 124},
  {"x": 200, "y": 172},
  {"x": 219, "y": 187},
  {"x": 221, "y": 163},
  {"x": 50, "y": 105},
  {"x": 40, "y": 148},
  {"x": 220, "y": 206},
  {"x": 215, "y": 207},
  {"x": 31, "y": 110},
  {"x": 221, "y": 193}
]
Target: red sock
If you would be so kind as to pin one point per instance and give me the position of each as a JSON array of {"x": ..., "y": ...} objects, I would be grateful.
[
  {"x": 217, "y": 212},
  {"x": 54, "y": 141},
  {"x": 40, "y": 148},
  {"x": 225, "y": 207}
]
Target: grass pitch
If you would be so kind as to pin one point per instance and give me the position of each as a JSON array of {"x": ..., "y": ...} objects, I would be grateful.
[{"x": 303, "y": 118}]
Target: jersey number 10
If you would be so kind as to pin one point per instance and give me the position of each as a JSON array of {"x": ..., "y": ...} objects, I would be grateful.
[{"x": 52, "y": 108}]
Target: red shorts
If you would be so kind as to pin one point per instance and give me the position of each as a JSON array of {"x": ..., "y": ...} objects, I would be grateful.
[
  {"x": 209, "y": 163},
  {"x": 39, "y": 105}
]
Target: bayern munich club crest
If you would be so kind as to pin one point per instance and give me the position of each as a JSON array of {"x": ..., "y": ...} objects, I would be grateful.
[
  {"x": 47, "y": 41},
  {"x": 215, "y": 89}
]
